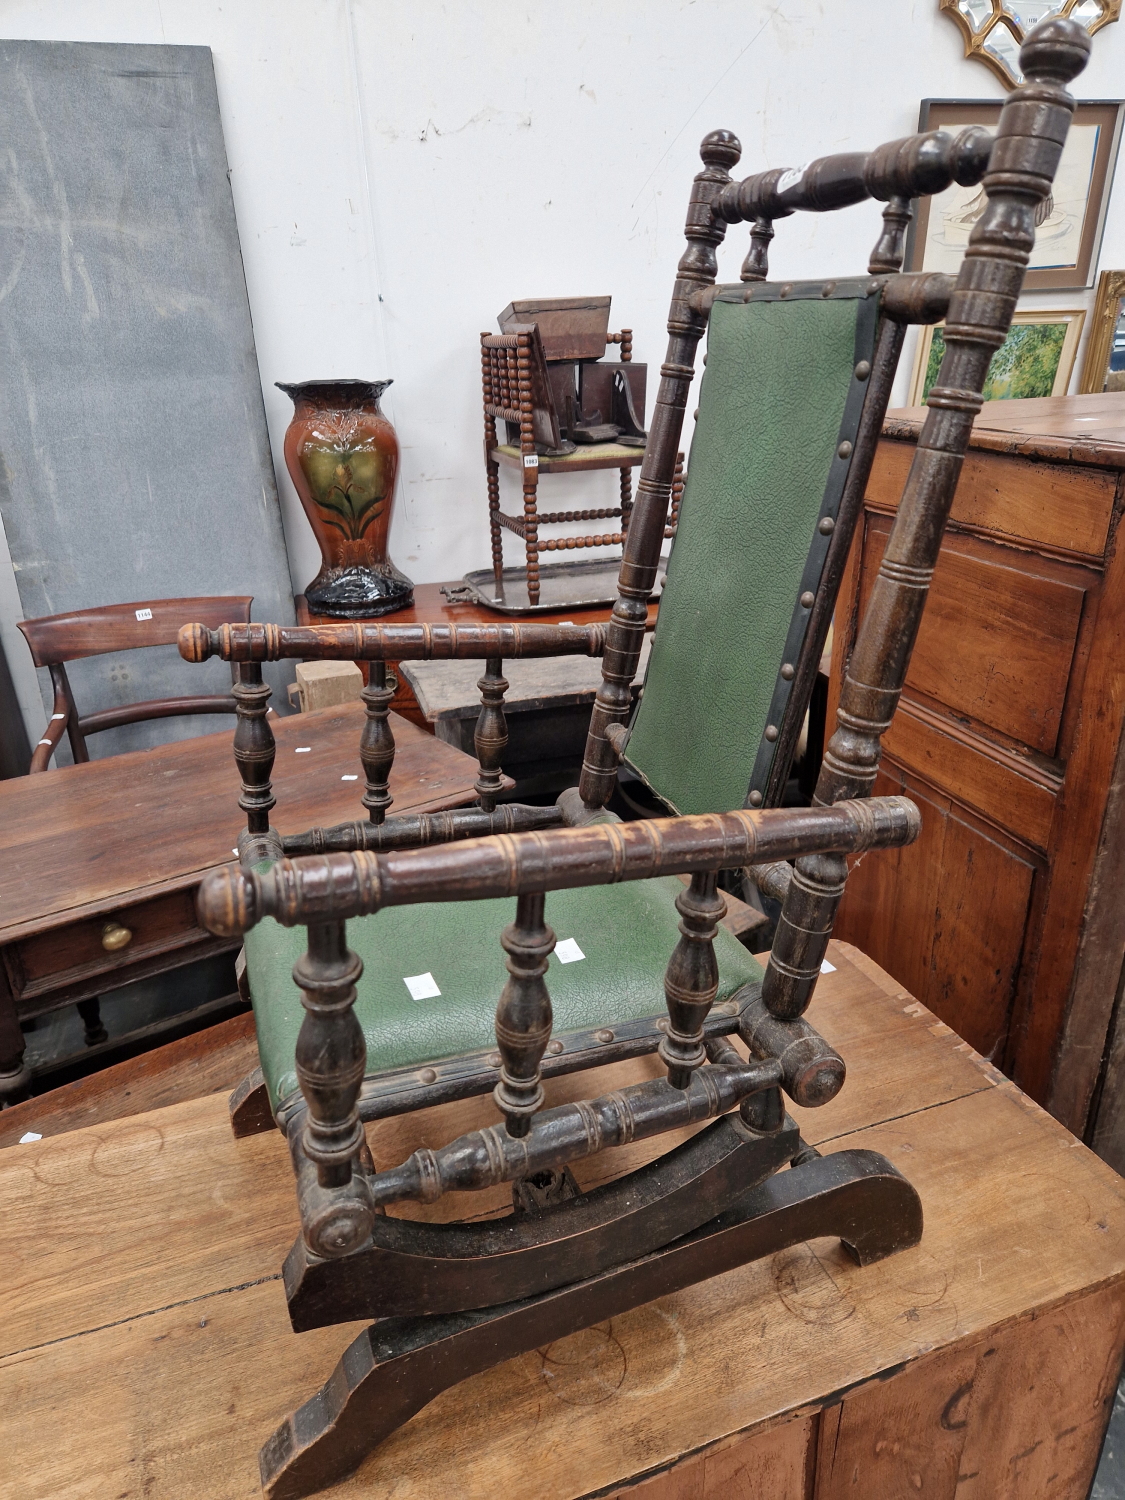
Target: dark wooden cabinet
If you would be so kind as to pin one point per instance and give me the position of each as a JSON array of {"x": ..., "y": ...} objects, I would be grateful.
[{"x": 1007, "y": 917}]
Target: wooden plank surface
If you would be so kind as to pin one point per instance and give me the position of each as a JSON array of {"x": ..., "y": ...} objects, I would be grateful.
[
  {"x": 1071, "y": 429},
  {"x": 147, "y": 1349},
  {"x": 210, "y": 1061},
  {"x": 82, "y": 839}
]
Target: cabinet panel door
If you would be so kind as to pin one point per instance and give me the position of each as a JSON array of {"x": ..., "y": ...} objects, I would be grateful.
[
  {"x": 947, "y": 915},
  {"x": 997, "y": 639}
]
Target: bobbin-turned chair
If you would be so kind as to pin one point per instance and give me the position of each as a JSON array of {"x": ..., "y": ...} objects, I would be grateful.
[{"x": 449, "y": 1299}]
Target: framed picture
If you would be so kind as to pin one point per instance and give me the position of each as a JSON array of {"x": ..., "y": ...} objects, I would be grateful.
[
  {"x": 1036, "y": 359},
  {"x": 1072, "y": 218},
  {"x": 1104, "y": 369}
]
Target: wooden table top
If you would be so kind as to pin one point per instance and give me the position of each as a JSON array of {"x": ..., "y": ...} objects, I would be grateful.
[
  {"x": 1073, "y": 429},
  {"x": 145, "y": 1344},
  {"x": 81, "y": 840},
  {"x": 431, "y": 607}
]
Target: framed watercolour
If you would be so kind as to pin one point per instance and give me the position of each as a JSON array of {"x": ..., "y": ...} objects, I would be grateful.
[
  {"x": 1036, "y": 359},
  {"x": 1104, "y": 368},
  {"x": 1070, "y": 231}
]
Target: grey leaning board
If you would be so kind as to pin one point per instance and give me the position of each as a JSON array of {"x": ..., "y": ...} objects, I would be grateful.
[{"x": 135, "y": 458}]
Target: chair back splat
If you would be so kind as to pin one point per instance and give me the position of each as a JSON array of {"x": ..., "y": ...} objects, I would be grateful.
[{"x": 609, "y": 916}]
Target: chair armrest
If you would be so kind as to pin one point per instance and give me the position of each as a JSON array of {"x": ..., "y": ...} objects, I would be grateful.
[
  {"x": 342, "y": 886},
  {"x": 388, "y": 642},
  {"x": 56, "y": 728}
]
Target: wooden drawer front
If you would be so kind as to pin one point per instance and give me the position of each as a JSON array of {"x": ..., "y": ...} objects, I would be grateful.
[
  {"x": 997, "y": 641},
  {"x": 1057, "y": 506},
  {"x": 160, "y": 925}
]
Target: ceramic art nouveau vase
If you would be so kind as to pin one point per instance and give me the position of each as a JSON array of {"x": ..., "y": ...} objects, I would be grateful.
[{"x": 342, "y": 456}]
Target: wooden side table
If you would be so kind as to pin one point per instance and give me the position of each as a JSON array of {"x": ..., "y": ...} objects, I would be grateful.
[{"x": 979, "y": 1366}]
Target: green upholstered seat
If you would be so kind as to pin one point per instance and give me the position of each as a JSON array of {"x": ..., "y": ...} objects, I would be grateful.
[
  {"x": 779, "y": 395},
  {"x": 626, "y": 932}
]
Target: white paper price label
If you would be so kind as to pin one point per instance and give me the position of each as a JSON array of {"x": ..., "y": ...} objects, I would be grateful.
[
  {"x": 531, "y": 460},
  {"x": 421, "y": 987},
  {"x": 143, "y": 614}
]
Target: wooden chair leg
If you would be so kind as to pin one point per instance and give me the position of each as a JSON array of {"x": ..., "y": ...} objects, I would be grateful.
[
  {"x": 398, "y": 1365},
  {"x": 91, "y": 1013},
  {"x": 15, "y": 1075}
]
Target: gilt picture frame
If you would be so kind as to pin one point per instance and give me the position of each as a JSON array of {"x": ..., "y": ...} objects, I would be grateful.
[
  {"x": 1036, "y": 359},
  {"x": 1104, "y": 366},
  {"x": 1068, "y": 239}
]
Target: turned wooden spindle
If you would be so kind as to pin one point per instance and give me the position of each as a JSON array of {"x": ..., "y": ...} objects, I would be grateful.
[
  {"x": 490, "y": 739},
  {"x": 377, "y": 743},
  {"x": 491, "y": 387},
  {"x": 254, "y": 746},
  {"x": 523, "y": 1016},
  {"x": 677, "y": 497},
  {"x": 1022, "y": 164},
  {"x": 756, "y": 266},
  {"x": 763, "y": 1112},
  {"x": 331, "y": 1057},
  {"x": 691, "y": 980},
  {"x": 530, "y": 465},
  {"x": 626, "y": 500},
  {"x": 697, "y": 269},
  {"x": 891, "y": 244}
]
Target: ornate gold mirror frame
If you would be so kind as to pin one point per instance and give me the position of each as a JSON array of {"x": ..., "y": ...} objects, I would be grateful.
[{"x": 994, "y": 29}]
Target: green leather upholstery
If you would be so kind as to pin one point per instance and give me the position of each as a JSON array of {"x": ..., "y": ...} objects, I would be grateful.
[
  {"x": 779, "y": 393},
  {"x": 627, "y": 933}
]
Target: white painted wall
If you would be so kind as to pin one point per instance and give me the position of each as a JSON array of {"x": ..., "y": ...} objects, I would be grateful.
[{"x": 401, "y": 171}]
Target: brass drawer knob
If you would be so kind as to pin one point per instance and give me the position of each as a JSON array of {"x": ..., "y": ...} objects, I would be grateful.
[{"x": 115, "y": 937}]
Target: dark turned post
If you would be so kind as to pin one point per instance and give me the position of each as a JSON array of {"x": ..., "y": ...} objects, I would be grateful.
[
  {"x": 377, "y": 743},
  {"x": 331, "y": 1057},
  {"x": 691, "y": 980},
  {"x": 490, "y": 738},
  {"x": 756, "y": 266},
  {"x": 254, "y": 747},
  {"x": 523, "y": 1016},
  {"x": 697, "y": 269},
  {"x": 1029, "y": 141},
  {"x": 763, "y": 1112},
  {"x": 891, "y": 244}
]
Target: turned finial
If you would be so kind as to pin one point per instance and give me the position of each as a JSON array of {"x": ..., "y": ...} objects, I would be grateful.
[
  {"x": 721, "y": 148},
  {"x": 1055, "y": 52}
]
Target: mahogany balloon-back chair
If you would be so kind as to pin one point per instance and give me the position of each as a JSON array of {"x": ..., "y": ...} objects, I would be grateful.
[{"x": 797, "y": 380}]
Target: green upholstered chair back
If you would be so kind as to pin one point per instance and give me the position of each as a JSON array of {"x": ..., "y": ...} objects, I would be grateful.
[{"x": 780, "y": 404}]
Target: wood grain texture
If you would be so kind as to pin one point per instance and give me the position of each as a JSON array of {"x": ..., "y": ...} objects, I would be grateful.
[
  {"x": 997, "y": 642},
  {"x": 87, "y": 839},
  {"x": 161, "y": 1368},
  {"x": 1074, "y": 429},
  {"x": 1013, "y": 715},
  {"x": 211, "y": 1061},
  {"x": 1063, "y": 509}
]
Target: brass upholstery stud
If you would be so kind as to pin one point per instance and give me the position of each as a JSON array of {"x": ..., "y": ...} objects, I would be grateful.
[
  {"x": 844, "y": 450},
  {"x": 771, "y": 732},
  {"x": 494, "y": 1059},
  {"x": 807, "y": 600},
  {"x": 428, "y": 1075},
  {"x": 603, "y": 1036},
  {"x": 554, "y": 1047},
  {"x": 862, "y": 370},
  {"x": 788, "y": 671},
  {"x": 827, "y": 526},
  {"x": 755, "y": 799}
]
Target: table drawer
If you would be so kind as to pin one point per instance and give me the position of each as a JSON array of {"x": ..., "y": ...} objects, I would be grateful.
[{"x": 85, "y": 950}]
